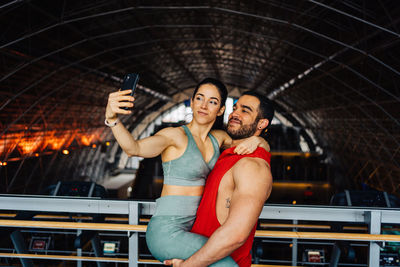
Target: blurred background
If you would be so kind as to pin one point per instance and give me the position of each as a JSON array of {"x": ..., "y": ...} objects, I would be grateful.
[{"x": 331, "y": 68}]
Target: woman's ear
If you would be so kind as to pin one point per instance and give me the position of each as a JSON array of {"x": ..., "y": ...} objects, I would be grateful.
[{"x": 221, "y": 111}]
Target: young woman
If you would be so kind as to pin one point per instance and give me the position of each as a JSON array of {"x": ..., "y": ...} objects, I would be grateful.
[{"x": 188, "y": 154}]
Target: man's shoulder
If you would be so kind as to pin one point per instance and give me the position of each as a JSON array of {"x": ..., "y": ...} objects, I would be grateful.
[
  {"x": 251, "y": 167},
  {"x": 251, "y": 163},
  {"x": 252, "y": 175}
]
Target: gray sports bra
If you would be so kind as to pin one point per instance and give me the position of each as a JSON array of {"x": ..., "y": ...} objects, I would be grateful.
[{"x": 190, "y": 169}]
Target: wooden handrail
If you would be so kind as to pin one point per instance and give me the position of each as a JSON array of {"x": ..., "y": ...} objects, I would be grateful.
[
  {"x": 142, "y": 228},
  {"x": 320, "y": 226},
  {"x": 327, "y": 235},
  {"x": 66, "y": 217},
  {"x": 101, "y": 259},
  {"x": 288, "y": 225},
  {"x": 74, "y": 225},
  {"x": 262, "y": 225},
  {"x": 63, "y": 257},
  {"x": 253, "y": 265},
  {"x": 316, "y": 226}
]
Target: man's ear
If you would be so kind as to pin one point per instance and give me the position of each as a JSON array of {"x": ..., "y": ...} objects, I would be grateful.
[
  {"x": 221, "y": 111},
  {"x": 262, "y": 124}
]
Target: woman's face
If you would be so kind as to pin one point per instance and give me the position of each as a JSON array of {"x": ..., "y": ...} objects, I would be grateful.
[{"x": 206, "y": 104}]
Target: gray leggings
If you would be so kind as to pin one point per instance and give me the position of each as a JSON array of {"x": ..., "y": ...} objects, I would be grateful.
[{"x": 168, "y": 236}]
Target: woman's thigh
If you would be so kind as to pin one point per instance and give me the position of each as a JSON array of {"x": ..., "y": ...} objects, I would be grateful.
[{"x": 168, "y": 238}]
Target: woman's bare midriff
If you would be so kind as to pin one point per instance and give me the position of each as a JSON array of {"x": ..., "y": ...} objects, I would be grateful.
[{"x": 178, "y": 190}]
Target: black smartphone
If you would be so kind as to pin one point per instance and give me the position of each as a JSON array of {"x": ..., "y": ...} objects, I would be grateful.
[{"x": 130, "y": 81}]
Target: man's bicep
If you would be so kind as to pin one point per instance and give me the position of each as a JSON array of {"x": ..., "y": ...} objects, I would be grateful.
[
  {"x": 252, "y": 188},
  {"x": 244, "y": 211}
]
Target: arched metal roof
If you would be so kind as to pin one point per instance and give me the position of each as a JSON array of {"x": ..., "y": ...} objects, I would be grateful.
[{"x": 333, "y": 67}]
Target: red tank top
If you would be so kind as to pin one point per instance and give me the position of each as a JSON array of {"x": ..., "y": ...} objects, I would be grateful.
[{"x": 206, "y": 218}]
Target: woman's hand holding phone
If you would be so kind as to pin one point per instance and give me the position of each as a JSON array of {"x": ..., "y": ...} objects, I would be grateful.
[
  {"x": 121, "y": 102},
  {"x": 117, "y": 101}
]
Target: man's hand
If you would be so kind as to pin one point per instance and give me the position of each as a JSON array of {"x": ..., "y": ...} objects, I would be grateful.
[{"x": 174, "y": 262}]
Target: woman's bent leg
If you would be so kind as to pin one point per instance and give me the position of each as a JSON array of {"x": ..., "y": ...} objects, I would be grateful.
[{"x": 167, "y": 238}]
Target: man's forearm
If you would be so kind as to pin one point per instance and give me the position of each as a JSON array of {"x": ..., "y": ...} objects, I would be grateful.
[{"x": 221, "y": 244}]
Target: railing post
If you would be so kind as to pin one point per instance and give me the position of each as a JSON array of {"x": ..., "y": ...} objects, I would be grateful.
[
  {"x": 79, "y": 249},
  {"x": 133, "y": 253},
  {"x": 373, "y": 218},
  {"x": 294, "y": 246},
  {"x": 20, "y": 247}
]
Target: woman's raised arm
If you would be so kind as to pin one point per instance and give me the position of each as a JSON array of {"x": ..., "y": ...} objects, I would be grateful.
[
  {"x": 148, "y": 147},
  {"x": 247, "y": 146},
  {"x": 250, "y": 144}
]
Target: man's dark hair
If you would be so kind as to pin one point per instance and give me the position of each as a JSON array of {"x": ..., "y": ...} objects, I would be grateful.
[
  {"x": 223, "y": 92},
  {"x": 266, "y": 110}
]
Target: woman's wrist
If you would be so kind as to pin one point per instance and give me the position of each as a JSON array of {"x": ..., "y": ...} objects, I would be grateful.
[
  {"x": 111, "y": 122},
  {"x": 111, "y": 117}
]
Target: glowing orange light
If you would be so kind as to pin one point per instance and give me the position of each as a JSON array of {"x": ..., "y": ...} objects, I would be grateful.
[
  {"x": 3, "y": 163},
  {"x": 56, "y": 143},
  {"x": 107, "y": 143},
  {"x": 288, "y": 168},
  {"x": 37, "y": 142},
  {"x": 9, "y": 143},
  {"x": 29, "y": 145},
  {"x": 300, "y": 185},
  {"x": 86, "y": 139},
  {"x": 291, "y": 245},
  {"x": 65, "y": 152},
  {"x": 94, "y": 146},
  {"x": 294, "y": 202}
]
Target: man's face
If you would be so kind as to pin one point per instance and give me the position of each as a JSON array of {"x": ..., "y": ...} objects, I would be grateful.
[{"x": 243, "y": 120}]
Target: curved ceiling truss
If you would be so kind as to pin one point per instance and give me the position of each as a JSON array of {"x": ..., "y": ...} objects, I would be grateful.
[{"x": 331, "y": 66}]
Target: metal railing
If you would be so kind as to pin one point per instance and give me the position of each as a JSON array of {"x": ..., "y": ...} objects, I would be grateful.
[{"x": 372, "y": 217}]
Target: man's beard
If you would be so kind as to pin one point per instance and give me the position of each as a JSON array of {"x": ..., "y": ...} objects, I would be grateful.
[{"x": 243, "y": 132}]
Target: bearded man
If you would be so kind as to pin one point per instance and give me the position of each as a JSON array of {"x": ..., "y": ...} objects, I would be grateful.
[{"x": 235, "y": 191}]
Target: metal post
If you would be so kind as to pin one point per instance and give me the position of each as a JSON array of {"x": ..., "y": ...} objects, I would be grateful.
[
  {"x": 98, "y": 252},
  {"x": 78, "y": 250},
  {"x": 133, "y": 253},
  {"x": 335, "y": 255},
  {"x": 19, "y": 245},
  {"x": 348, "y": 198},
  {"x": 373, "y": 219},
  {"x": 294, "y": 246},
  {"x": 385, "y": 194}
]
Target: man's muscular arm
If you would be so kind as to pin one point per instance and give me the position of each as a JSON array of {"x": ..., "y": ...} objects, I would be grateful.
[{"x": 253, "y": 183}]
